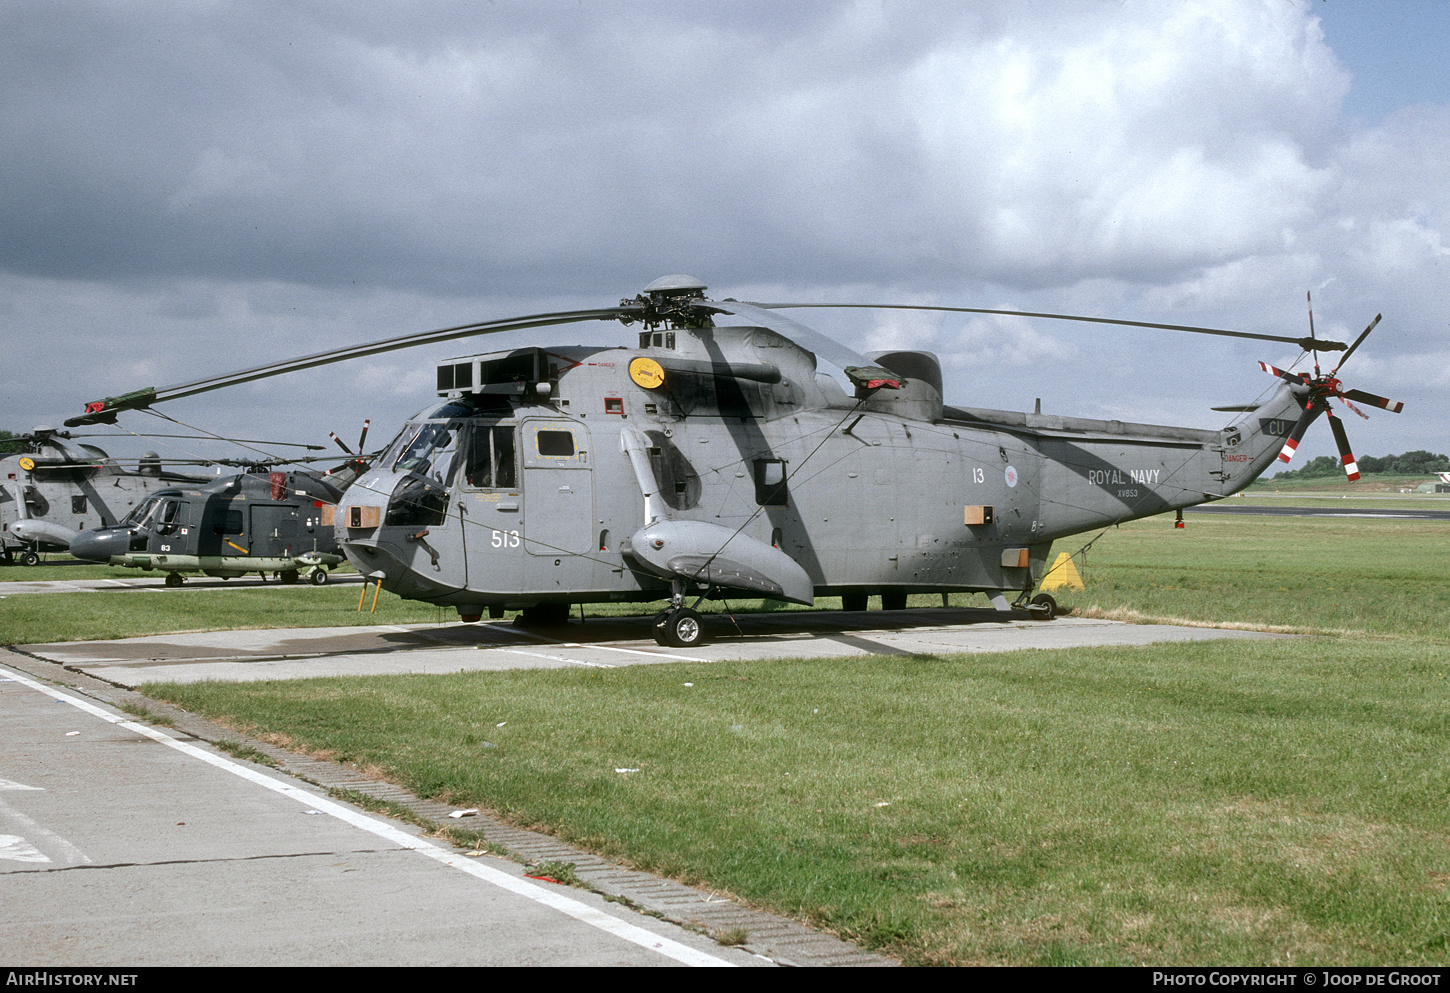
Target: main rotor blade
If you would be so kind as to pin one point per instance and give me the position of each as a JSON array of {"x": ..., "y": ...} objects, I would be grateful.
[
  {"x": 858, "y": 368},
  {"x": 1393, "y": 406},
  {"x": 1309, "y": 300},
  {"x": 1305, "y": 343},
  {"x": 126, "y": 436},
  {"x": 1351, "y": 468},
  {"x": 807, "y": 337},
  {"x": 106, "y": 410},
  {"x": 1362, "y": 336}
]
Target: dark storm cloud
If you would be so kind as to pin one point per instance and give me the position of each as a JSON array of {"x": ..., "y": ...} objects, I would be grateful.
[
  {"x": 253, "y": 180},
  {"x": 458, "y": 148},
  {"x": 445, "y": 149}
]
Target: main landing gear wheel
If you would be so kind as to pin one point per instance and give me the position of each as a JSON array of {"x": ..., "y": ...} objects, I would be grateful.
[
  {"x": 174, "y": 579},
  {"x": 853, "y": 601},
  {"x": 29, "y": 558},
  {"x": 893, "y": 599},
  {"x": 1043, "y": 607},
  {"x": 318, "y": 577},
  {"x": 681, "y": 628}
]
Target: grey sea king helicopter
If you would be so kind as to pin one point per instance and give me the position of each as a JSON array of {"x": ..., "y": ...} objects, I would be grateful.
[
  {"x": 59, "y": 486},
  {"x": 713, "y": 459}
]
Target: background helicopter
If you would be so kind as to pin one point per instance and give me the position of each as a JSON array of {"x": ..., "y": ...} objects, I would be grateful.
[
  {"x": 717, "y": 460},
  {"x": 261, "y": 520},
  {"x": 56, "y": 487}
]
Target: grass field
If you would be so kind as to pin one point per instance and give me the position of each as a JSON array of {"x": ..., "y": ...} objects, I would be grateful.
[
  {"x": 1382, "y": 482},
  {"x": 1275, "y": 802}
]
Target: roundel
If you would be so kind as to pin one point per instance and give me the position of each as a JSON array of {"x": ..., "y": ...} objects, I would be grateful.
[
  {"x": 646, "y": 372},
  {"x": 27, "y": 463}
]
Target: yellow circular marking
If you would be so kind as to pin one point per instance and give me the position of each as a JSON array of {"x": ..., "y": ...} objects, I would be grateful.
[
  {"x": 27, "y": 463},
  {"x": 646, "y": 372}
]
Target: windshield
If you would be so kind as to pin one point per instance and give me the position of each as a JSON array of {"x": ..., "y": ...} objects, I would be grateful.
[
  {"x": 140, "y": 511},
  {"x": 428, "y": 443},
  {"x": 430, "y": 450},
  {"x": 153, "y": 512}
]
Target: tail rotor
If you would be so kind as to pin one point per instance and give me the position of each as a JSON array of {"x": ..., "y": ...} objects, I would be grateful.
[{"x": 1321, "y": 389}]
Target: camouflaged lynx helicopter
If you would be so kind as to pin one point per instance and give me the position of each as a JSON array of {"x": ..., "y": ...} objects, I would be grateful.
[
  {"x": 262, "y": 520},
  {"x": 714, "y": 459}
]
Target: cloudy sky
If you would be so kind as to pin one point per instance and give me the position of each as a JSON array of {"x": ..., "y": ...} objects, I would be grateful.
[{"x": 190, "y": 188}]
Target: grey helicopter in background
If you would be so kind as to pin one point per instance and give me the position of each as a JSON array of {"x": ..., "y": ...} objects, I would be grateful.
[
  {"x": 712, "y": 458},
  {"x": 58, "y": 487}
]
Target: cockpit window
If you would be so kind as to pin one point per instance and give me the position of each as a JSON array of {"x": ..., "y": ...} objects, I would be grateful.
[
  {"x": 430, "y": 452},
  {"x": 139, "y": 512},
  {"x": 153, "y": 513},
  {"x": 427, "y": 444},
  {"x": 489, "y": 457}
]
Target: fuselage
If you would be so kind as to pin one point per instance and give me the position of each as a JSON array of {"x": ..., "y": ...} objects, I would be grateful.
[{"x": 529, "y": 479}]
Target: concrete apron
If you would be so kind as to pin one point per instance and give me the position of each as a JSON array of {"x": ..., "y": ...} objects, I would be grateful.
[{"x": 300, "y": 653}]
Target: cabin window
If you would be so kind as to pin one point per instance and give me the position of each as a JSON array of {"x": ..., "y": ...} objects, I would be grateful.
[
  {"x": 556, "y": 444},
  {"x": 770, "y": 489},
  {"x": 77, "y": 505},
  {"x": 228, "y": 522},
  {"x": 165, "y": 521}
]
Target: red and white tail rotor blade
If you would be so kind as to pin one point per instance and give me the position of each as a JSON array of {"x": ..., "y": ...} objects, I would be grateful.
[
  {"x": 1295, "y": 378},
  {"x": 1351, "y": 468},
  {"x": 1393, "y": 406},
  {"x": 1300, "y": 426}
]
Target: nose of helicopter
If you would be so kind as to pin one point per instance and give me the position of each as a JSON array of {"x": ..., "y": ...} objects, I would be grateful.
[{"x": 99, "y": 546}]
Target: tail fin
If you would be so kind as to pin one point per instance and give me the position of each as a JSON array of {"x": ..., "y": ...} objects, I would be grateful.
[{"x": 1254, "y": 442}]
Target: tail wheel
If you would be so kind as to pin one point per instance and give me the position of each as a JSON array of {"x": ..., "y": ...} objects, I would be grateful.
[{"x": 1043, "y": 608}]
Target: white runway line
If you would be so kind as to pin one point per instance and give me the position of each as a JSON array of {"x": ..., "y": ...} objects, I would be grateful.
[
  {"x": 553, "y": 658},
  {"x": 557, "y": 901},
  {"x": 632, "y": 651},
  {"x": 66, "y": 852}
]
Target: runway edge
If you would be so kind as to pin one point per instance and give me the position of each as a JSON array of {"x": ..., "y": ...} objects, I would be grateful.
[{"x": 782, "y": 940}]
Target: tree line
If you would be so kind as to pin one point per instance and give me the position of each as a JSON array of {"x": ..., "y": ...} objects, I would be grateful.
[{"x": 1419, "y": 463}]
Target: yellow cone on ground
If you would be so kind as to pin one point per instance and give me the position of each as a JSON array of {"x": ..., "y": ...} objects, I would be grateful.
[{"x": 1063, "y": 575}]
